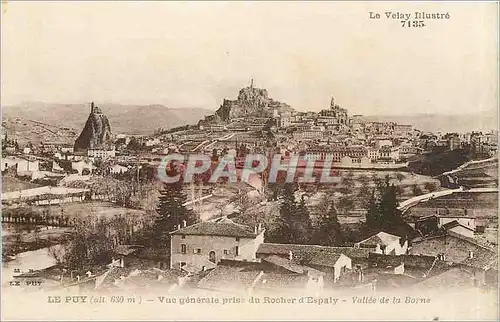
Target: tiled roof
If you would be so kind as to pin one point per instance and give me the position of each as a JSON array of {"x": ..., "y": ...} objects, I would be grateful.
[
  {"x": 420, "y": 261},
  {"x": 454, "y": 277},
  {"x": 325, "y": 259},
  {"x": 308, "y": 252},
  {"x": 229, "y": 277},
  {"x": 382, "y": 239},
  {"x": 229, "y": 229},
  {"x": 284, "y": 263},
  {"x": 453, "y": 224},
  {"x": 277, "y": 280},
  {"x": 482, "y": 258},
  {"x": 150, "y": 278},
  {"x": 113, "y": 274}
]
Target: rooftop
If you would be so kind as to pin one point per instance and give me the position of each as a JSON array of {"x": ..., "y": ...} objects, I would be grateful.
[
  {"x": 382, "y": 238},
  {"x": 325, "y": 259},
  {"x": 229, "y": 277},
  {"x": 453, "y": 224},
  {"x": 284, "y": 263},
  {"x": 309, "y": 252},
  {"x": 226, "y": 228}
]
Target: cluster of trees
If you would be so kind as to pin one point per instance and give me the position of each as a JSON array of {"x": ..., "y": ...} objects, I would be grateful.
[
  {"x": 294, "y": 224},
  {"x": 435, "y": 163},
  {"x": 383, "y": 213},
  {"x": 29, "y": 216},
  {"x": 94, "y": 238},
  {"x": 128, "y": 194}
]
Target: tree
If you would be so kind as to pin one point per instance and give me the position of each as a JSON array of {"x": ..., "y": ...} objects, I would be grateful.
[
  {"x": 383, "y": 213},
  {"x": 400, "y": 176},
  {"x": 91, "y": 245},
  {"x": 171, "y": 212},
  {"x": 399, "y": 190},
  {"x": 286, "y": 230},
  {"x": 388, "y": 203},
  {"x": 346, "y": 204},
  {"x": 303, "y": 222},
  {"x": 363, "y": 179},
  {"x": 417, "y": 191},
  {"x": 373, "y": 216},
  {"x": 348, "y": 186},
  {"x": 430, "y": 186},
  {"x": 328, "y": 231},
  {"x": 364, "y": 191}
]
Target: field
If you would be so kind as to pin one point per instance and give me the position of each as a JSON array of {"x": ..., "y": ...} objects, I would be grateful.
[
  {"x": 99, "y": 209},
  {"x": 10, "y": 183}
]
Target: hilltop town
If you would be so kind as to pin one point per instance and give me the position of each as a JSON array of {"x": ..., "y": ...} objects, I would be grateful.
[{"x": 410, "y": 209}]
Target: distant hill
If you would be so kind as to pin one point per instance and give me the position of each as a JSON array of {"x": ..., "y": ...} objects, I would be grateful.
[
  {"x": 24, "y": 130},
  {"x": 444, "y": 123},
  {"x": 130, "y": 119}
]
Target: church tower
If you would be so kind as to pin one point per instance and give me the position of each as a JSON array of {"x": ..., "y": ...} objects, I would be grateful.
[{"x": 332, "y": 103}]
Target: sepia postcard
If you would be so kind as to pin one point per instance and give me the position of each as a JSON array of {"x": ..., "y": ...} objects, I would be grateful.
[{"x": 249, "y": 160}]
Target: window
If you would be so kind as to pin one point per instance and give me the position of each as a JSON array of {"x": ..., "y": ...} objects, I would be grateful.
[
  {"x": 237, "y": 239},
  {"x": 226, "y": 252},
  {"x": 211, "y": 257},
  {"x": 198, "y": 251},
  {"x": 183, "y": 264},
  {"x": 237, "y": 251},
  {"x": 183, "y": 236},
  {"x": 183, "y": 248}
]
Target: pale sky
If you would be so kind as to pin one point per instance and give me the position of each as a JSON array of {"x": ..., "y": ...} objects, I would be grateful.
[{"x": 194, "y": 54}]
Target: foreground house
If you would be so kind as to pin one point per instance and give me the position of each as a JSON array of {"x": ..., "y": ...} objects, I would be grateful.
[
  {"x": 23, "y": 166},
  {"x": 201, "y": 246},
  {"x": 435, "y": 223},
  {"x": 273, "y": 274},
  {"x": 452, "y": 247},
  {"x": 331, "y": 261}
]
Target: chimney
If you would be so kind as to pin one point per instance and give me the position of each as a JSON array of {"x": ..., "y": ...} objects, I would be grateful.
[
  {"x": 255, "y": 229},
  {"x": 183, "y": 223},
  {"x": 290, "y": 255},
  {"x": 471, "y": 254}
]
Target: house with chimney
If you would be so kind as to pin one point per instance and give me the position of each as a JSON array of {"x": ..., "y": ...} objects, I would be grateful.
[
  {"x": 332, "y": 262},
  {"x": 457, "y": 249},
  {"x": 271, "y": 275},
  {"x": 203, "y": 245},
  {"x": 458, "y": 222},
  {"x": 24, "y": 166}
]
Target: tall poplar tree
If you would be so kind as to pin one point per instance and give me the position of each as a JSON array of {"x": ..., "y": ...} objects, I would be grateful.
[
  {"x": 171, "y": 212},
  {"x": 328, "y": 231}
]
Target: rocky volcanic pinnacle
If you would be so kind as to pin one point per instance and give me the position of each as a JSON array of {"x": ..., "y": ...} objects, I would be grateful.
[
  {"x": 251, "y": 102},
  {"x": 96, "y": 133}
]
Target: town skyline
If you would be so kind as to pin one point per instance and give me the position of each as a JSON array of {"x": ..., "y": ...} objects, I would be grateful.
[{"x": 156, "y": 66}]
